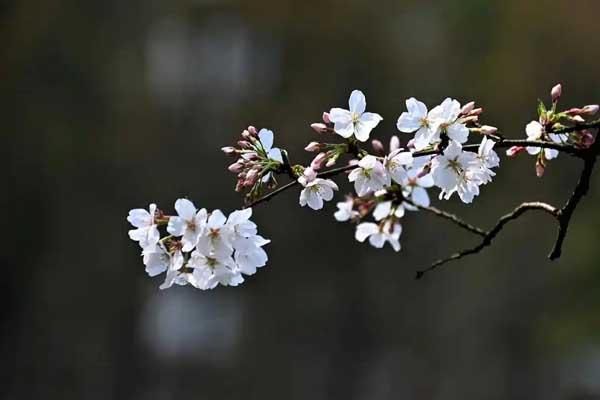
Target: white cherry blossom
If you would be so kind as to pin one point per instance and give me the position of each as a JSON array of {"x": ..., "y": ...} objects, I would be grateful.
[
  {"x": 189, "y": 223},
  {"x": 240, "y": 225},
  {"x": 249, "y": 254},
  {"x": 535, "y": 131},
  {"x": 378, "y": 234},
  {"x": 316, "y": 190},
  {"x": 346, "y": 211},
  {"x": 266, "y": 140},
  {"x": 457, "y": 171},
  {"x": 218, "y": 236},
  {"x": 156, "y": 261},
  {"x": 209, "y": 271},
  {"x": 146, "y": 232},
  {"x": 396, "y": 162},
  {"x": 444, "y": 119},
  {"x": 417, "y": 119},
  {"x": 370, "y": 176},
  {"x": 354, "y": 121}
]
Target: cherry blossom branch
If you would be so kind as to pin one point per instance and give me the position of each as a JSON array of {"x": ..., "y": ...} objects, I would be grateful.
[
  {"x": 492, "y": 233},
  {"x": 451, "y": 217},
  {"x": 562, "y": 215}
]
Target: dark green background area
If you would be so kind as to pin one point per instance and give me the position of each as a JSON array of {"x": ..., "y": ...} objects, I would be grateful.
[{"x": 110, "y": 105}]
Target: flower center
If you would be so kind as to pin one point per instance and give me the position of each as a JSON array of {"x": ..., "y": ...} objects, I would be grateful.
[
  {"x": 355, "y": 117},
  {"x": 191, "y": 225},
  {"x": 455, "y": 166},
  {"x": 214, "y": 233}
]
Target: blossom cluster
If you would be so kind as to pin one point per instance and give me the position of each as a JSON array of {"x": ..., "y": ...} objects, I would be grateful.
[
  {"x": 444, "y": 148},
  {"x": 548, "y": 126},
  {"x": 389, "y": 183},
  {"x": 201, "y": 249}
]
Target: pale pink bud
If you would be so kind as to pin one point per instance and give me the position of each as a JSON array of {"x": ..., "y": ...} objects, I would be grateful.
[
  {"x": 331, "y": 162},
  {"x": 476, "y": 111},
  {"x": 488, "y": 130},
  {"x": 252, "y": 130},
  {"x": 587, "y": 139},
  {"x": 590, "y": 109},
  {"x": 578, "y": 119},
  {"x": 574, "y": 111},
  {"x": 556, "y": 92},
  {"x": 228, "y": 150},
  {"x": 377, "y": 146},
  {"x": 411, "y": 144},
  {"x": 235, "y": 167},
  {"x": 244, "y": 144},
  {"x": 467, "y": 108},
  {"x": 513, "y": 151},
  {"x": 539, "y": 169},
  {"x": 326, "y": 118},
  {"x": 470, "y": 118},
  {"x": 319, "y": 127},
  {"x": 251, "y": 177},
  {"x": 317, "y": 162},
  {"x": 394, "y": 143},
  {"x": 246, "y": 135},
  {"x": 313, "y": 146}
]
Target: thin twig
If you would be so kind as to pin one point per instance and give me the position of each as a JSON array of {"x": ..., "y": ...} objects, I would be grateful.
[
  {"x": 581, "y": 189},
  {"x": 451, "y": 217},
  {"x": 492, "y": 233}
]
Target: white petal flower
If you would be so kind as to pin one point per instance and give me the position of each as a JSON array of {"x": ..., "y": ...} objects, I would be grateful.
[
  {"x": 379, "y": 234},
  {"x": 156, "y": 261},
  {"x": 457, "y": 171},
  {"x": 354, "y": 121},
  {"x": 209, "y": 271},
  {"x": 414, "y": 188},
  {"x": 240, "y": 225},
  {"x": 249, "y": 254},
  {"x": 317, "y": 191},
  {"x": 445, "y": 118},
  {"x": 417, "y": 119},
  {"x": 147, "y": 231},
  {"x": 345, "y": 211},
  {"x": 370, "y": 176},
  {"x": 266, "y": 140},
  {"x": 395, "y": 164},
  {"x": 189, "y": 223},
  {"x": 217, "y": 238}
]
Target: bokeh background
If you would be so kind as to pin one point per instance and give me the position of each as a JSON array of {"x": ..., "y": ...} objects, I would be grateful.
[{"x": 109, "y": 105}]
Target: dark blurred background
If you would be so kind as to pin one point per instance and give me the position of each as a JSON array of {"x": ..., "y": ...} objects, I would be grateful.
[{"x": 109, "y": 105}]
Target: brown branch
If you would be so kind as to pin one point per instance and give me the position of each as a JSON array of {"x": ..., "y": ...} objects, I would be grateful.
[
  {"x": 492, "y": 233},
  {"x": 451, "y": 217},
  {"x": 581, "y": 189}
]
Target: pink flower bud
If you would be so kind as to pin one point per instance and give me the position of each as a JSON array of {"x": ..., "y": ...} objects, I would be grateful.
[
  {"x": 587, "y": 139},
  {"x": 556, "y": 92},
  {"x": 228, "y": 150},
  {"x": 331, "y": 162},
  {"x": 319, "y": 127},
  {"x": 394, "y": 143},
  {"x": 467, "y": 108},
  {"x": 574, "y": 111},
  {"x": 578, "y": 119},
  {"x": 488, "y": 130},
  {"x": 246, "y": 135},
  {"x": 251, "y": 177},
  {"x": 313, "y": 146},
  {"x": 590, "y": 110},
  {"x": 411, "y": 144},
  {"x": 326, "y": 118},
  {"x": 513, "y": 151},
  {"x": 476, "y": 111},
  {"x": 317, "y": 162},
  {"x": 235, "y": 167},
  {"x": 539, "y": 169},
  {"x": 377, "y": 146},
  {"x": 252, "y": 130},
  {"x": 244, "y": 144}
]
